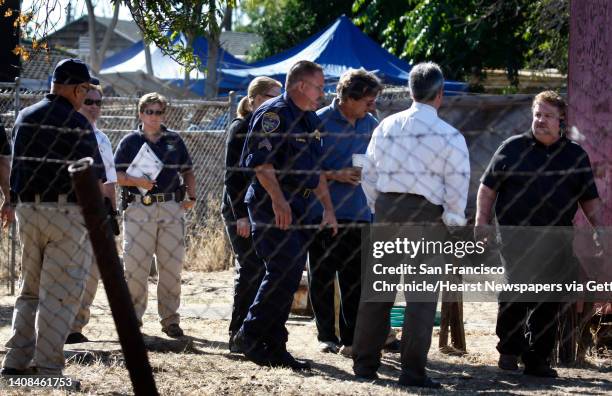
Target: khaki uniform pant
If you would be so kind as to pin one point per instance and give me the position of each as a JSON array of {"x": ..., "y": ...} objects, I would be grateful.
[
  {"x": 91, "y": 287},
  {"x": 155, "y": 229},
  {"x": 55, "y": 257}
]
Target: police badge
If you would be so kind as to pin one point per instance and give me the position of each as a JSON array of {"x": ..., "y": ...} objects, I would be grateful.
[
  {"x": 147, "y": 200},
  {"x": 269, "y": 122}
]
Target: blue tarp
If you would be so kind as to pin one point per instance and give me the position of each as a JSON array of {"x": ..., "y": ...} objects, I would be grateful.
[{"x": 340, "y": 47}]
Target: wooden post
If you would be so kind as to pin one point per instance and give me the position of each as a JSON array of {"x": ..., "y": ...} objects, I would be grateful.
[
  {"x": 105, "y": 250},
  {"x": 452, "y": 319},
  {"x": 590, "y": 111}
]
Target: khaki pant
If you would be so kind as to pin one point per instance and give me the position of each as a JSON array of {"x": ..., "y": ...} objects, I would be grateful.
[
  {"x": 156, "y": 229},
  {"x": 91, "y": 287},
  {"x": 55, "y": 257}
]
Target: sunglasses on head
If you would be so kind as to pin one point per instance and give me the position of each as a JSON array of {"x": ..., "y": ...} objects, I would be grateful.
[
  {"x": 90, "y": 102},
  {"x": 156, "y": 112}
]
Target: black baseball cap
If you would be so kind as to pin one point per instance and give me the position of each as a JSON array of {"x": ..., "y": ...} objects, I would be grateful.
[{"x": 71, "y": 71}]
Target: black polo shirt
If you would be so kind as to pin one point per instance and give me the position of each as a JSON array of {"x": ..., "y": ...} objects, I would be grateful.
[
  {"x": 539, "y": 185},
  {"x": 47, "y": 135},
  {"x": 5, "y": 146},
  {"x": 170, "y": 149}
]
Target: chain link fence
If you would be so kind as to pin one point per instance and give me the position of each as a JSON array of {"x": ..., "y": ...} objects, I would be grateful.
[{"x": 432, "y": 165}]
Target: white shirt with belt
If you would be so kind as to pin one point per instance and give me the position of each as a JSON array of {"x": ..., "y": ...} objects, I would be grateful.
[
  {"x": 106, "y": 152},
  {"x": 416, "y": 152}
]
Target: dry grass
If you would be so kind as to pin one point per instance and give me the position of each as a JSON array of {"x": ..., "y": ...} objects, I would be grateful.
[
  {"x": 208, "y": 247},
  {"x": 5, "y": 255},
  {"x": 201, "y": 365}
]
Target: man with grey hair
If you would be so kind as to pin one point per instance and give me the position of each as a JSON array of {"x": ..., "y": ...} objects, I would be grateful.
[{"x": 416, "y": 173}]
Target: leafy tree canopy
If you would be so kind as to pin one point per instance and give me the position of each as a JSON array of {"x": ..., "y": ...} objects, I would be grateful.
[
  {"x": 284, "y": 23},
  {"x": 464, "y": 36}
]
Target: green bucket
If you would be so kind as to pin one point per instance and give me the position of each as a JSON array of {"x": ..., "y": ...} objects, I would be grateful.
[{"x": 397, "y": 317}]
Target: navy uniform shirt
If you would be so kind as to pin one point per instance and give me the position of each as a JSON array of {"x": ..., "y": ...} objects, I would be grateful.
[
  {"x": 539, "y": 185},
  {"x": 5, "y": 146},
  {"x": 286, "y": 137},
  {"x": 170, "y": 149},
  {"x": 40, "y": 149}
]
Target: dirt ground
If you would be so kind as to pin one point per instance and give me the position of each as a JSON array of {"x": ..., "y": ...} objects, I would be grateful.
[{"x": 201, "y": 364}]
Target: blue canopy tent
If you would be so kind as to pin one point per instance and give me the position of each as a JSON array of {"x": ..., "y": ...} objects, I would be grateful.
[
  {"x": 340, "y": 47},
  {"x": 132, "y": 60}
]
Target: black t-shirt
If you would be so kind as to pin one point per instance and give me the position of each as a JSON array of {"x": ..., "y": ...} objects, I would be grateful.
[
  {"x": 47, "y": 135},
  {"x": 539, "y": 185},
  {"x": 170, "y": 149}
]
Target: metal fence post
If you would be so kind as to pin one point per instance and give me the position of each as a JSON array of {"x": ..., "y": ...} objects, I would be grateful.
[
  {"x": 232, "y": 107},
  {"x": 12, "y": 264}
]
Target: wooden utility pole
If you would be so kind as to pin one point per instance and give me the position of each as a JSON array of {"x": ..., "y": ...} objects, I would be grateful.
[{"x": 590, "y": 119}]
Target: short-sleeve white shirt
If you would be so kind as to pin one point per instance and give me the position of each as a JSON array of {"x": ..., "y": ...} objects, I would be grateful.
[{"x": 106, "y": 152}]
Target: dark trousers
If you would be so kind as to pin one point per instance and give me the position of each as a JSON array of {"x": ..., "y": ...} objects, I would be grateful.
[
  {"x": 329, "y": 256},
  {"x": 373, "y": 317},
  {"x": 250, "y": 270},
  {"x": 284, "y": 256},
  {"x": 527, "y": 329}
]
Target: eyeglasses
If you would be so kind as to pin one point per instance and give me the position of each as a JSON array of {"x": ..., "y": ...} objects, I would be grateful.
[
  {"x": 156, "y": 112},
  {"x": 89, "y": 102}
]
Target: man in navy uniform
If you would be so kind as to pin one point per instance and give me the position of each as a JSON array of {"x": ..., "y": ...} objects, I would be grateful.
[
  {"x": 56, "y": 252},
  {"x": 283, "y": 146}
]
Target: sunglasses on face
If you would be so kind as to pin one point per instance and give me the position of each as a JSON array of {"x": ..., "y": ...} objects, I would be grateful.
[
  {"x": 89, "y": 102},
  {"x": 156, "y": 112}
]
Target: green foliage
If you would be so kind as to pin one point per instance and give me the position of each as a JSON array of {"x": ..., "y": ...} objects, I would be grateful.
[
  {"x": 463, "y": 36},
  {"x": 285, "y": 23},
  {"x": 546, "y": 32},
  {"x": 380, "y": 19},
  {"x": 467, "y": 36},
  {"x": 162, "y": 21}
]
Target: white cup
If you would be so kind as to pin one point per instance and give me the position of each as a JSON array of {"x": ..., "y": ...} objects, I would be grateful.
[{"x": 359, "y": 160}]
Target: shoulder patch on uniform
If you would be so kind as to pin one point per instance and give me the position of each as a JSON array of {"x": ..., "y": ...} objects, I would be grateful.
[
  {"x": 265, "y": 144},
  {"x": 270, "y": 121}
]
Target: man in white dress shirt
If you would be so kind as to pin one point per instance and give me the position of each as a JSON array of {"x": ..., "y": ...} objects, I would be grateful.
[
  {"x": 91, "y": 109},
  {"x": 417, "y": 173}
]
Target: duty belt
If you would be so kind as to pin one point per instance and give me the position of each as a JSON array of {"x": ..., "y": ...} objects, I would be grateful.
[
  {"x": 48, "y": 197},
  {"x": 151, "y": 198}
]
